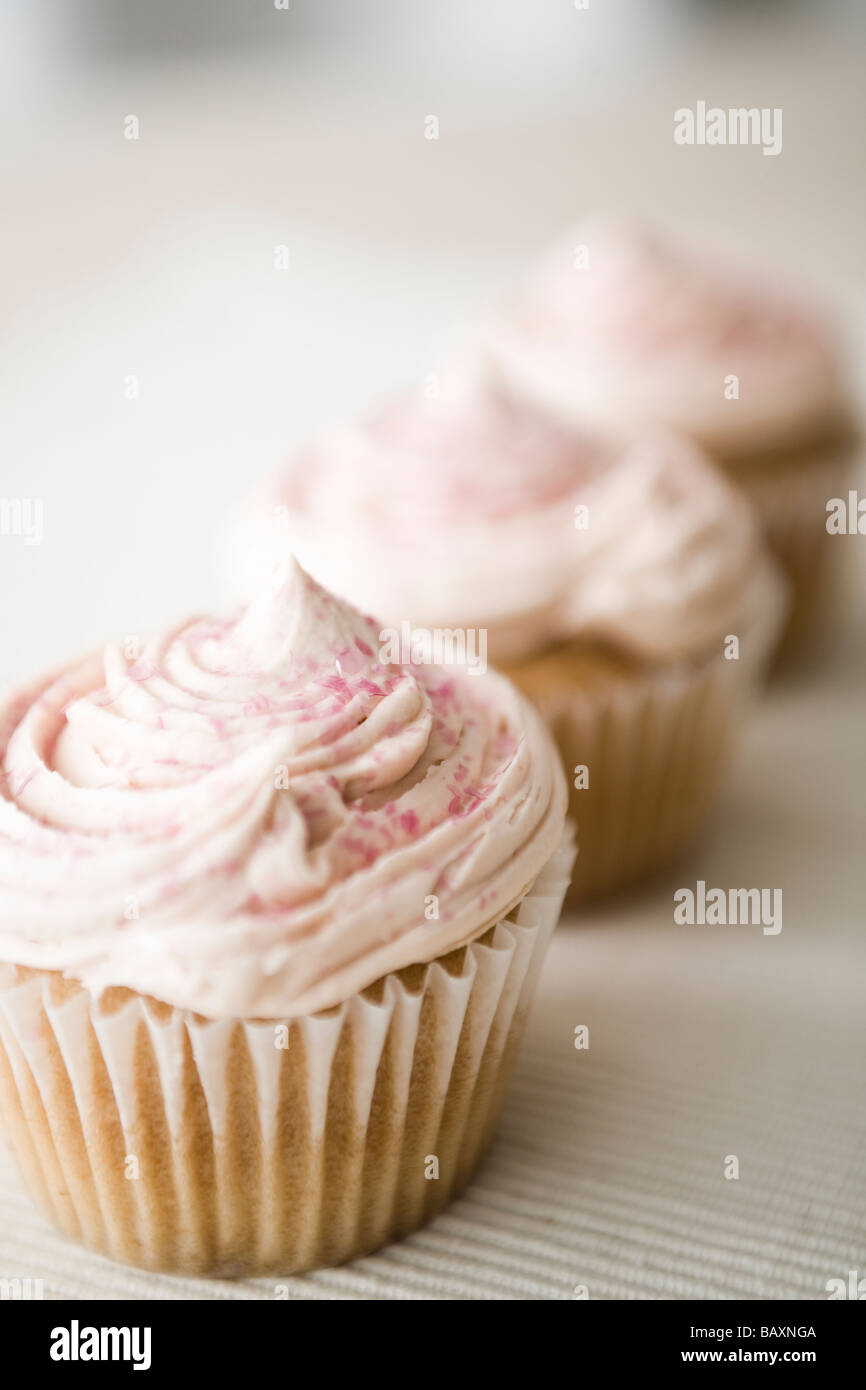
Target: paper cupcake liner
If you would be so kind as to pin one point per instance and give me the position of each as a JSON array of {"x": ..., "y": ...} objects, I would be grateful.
[
  {"x": 656, "y": 747},
  {"x": 182, "y": 1144},
  {"x": 791, "y": 503}
]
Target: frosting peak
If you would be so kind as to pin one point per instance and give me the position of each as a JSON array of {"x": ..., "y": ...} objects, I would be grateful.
[
  {"x": 469, "y": 454},
  {"x": 247, "y": 817},
  {"x": 626, "y": 327}
]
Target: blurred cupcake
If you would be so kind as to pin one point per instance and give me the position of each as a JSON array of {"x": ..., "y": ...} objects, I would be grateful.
[
  {"x": 626, "y": 589},
  {"x": 272, "y": 913},
  {"x": 630, "y": 331}
]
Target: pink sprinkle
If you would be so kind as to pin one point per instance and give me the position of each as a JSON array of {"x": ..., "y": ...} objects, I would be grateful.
[
  {"x": 457, "y": 807},
  {"x": 409, "y": 822},
  {"x": 141, "y": 671},
  {"x": 260, "y": 704},
  {"x": 226, "y": 870},
  {"x": 447, "y": 692},
  {"x": 26, "y": 783},
  {"x": 339, "y": 685},
  {"x": 356, "y": 846}
]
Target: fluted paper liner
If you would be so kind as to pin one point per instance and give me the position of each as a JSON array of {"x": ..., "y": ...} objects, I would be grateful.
[
  {"x": 656, "y": 746},
  {"x": 177, "y": 1143}
]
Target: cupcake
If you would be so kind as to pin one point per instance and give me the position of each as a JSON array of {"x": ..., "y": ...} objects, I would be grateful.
[
  {"x": 273, "y": 910},
  {"x": 624, "y": 587},
  {"x": 632, "y": 332}
]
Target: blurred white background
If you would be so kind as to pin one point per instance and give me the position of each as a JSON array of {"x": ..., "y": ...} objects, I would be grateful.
[{"x": 262, "y": 127}]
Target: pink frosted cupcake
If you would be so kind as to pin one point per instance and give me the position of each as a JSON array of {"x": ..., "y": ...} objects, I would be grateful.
[
  {"x": 625, "y": 588},
  {"x": 632, "y": 331},
  {"x": 272, "y": 913}
]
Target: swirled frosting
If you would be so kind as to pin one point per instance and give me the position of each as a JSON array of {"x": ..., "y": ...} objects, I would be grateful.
[
  {"x": 626, "y": 328},
  {"x": 475, "y": 511},
  {"x": 248, "y": 817}
]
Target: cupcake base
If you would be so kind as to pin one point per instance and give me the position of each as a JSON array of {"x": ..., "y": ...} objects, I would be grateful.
[
  {"x": 243, "y": 1148},
  {"x": 790, "y": 490},
  {"x": 645, "y": 748}
]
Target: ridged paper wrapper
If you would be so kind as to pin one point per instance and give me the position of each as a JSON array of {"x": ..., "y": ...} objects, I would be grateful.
[
  {"x": 655, "y": 742},
  {"x": 236, "y": 1147}
]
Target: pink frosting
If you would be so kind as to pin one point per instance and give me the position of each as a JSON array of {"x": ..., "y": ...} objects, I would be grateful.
[
  {"x": 470, "y": 455},
  {"x": 248, "y": 818},
  {"x": 646, "y": 332},
  {"x": 461, "y": 512}
]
